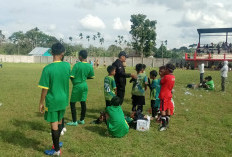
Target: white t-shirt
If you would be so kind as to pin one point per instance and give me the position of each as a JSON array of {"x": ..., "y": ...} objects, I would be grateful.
[
  {"x": 201, "y": 68},
  {"x": 224, "y": 69}
]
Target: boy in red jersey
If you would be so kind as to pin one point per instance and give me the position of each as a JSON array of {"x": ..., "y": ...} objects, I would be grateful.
[{"x": 167, "y": 84}]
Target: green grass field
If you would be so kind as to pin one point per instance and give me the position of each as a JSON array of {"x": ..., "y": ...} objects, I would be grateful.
[{"x": 201, "y": 126}]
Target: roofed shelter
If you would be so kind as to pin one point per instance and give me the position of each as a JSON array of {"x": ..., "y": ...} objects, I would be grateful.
[
  {"x": 40, "y": 51},
  {"x": 211, "y": 31}
]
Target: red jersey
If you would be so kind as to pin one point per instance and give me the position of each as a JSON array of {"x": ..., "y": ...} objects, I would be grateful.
[{"x": 167, "y": 83}]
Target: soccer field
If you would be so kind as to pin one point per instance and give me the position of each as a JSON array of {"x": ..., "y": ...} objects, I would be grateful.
[{"x": 201, "y": 126}]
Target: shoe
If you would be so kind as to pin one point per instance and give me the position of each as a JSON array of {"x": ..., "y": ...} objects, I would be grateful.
[
  {"x": 162, "y": 128},
  {"x": 81, "y": 121},
  {"x": 52, "y": 152},
  {"x": 60, "y": 144},
  {"x": 72, "y": 123},
  {"x": 64, "y": 129},
  {"x": 62, "y": 133}
]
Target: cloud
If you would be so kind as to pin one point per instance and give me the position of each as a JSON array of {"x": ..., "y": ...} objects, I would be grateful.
[
  {"x": 91, "y": 22},
  {"x": 119, "y": 25}
]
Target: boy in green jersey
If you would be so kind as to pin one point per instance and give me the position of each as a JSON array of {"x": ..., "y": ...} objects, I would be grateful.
[
  {"x": 209, "y": 84},
  {"x": 79, "y": 74},
  {"x": 116, "y": 123},
  {"x": 138, "y": 89},
  {"x": 154, "y": 94},
  {"x": 54, "y": 82},
  {"x": 110, "y": 85}
]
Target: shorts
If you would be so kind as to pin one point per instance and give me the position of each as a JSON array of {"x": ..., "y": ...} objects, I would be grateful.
[
  {"x": 166, "y": 104},
  {"x": 79, "y": 92},
  {"x": 54, "y": 116},
  {"x": 138, "y": 100}
]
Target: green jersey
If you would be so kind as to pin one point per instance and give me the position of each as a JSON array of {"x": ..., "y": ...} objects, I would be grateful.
[
  {"x": 155, "y": 89},
  {"x": 138, "y": 88},
  {"x": 109, "y": 87},
  {"x": 81, "y": 71},
  {"x": 116, "y": 124},
  {"x": 55, "y": 78},
  {"x": 210, "y": 85}
]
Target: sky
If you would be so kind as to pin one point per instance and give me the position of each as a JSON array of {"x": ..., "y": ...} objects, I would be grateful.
[{"x": 177, "y": 20}]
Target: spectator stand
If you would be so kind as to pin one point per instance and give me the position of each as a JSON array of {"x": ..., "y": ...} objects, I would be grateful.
[{"x": 211, "y": 52}]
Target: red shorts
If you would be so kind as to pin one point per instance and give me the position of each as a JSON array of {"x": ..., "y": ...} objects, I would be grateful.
[{"x": 166, "y": 104}]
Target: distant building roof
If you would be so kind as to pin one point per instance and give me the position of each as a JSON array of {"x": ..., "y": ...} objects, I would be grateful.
[
  {"x": 214, "y": 30},
  {"x": 40, "y": 51}
]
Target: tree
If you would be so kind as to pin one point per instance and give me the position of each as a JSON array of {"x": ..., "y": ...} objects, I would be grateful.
[
  {"x": 143, "y": 33},
  {"x": 70, "y": 38},
  {"x": 2, "y": 37},
  {"x": 81, "y": 36},
  {"x": 99, "y": 35},
  {"x": 101, "y": 40},
  {"x": 17, "y": 38},
  {"x": 88, "y": 37},
  {"x": 94, "y": 37}
]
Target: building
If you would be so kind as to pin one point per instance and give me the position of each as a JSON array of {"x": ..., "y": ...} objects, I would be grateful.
[{"x": 40, "y": 51}]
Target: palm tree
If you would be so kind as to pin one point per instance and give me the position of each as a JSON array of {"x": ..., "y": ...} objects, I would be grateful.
[
  {"x": 94, "y": 37},
  {"x": 70, "y": 38},
  {"x": 101, "y": 40},
  {"x": 99, "y": 35},
  {"x": 116, "y": 42},
  {"x": 81, "y": 36},
  {"x": 88, "y": 37}
]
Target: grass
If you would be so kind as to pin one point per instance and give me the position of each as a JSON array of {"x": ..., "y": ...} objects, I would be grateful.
[{"x": 201, "y": 125}]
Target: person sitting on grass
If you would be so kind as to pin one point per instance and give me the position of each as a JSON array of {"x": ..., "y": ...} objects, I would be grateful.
[
  {"x": 138, "y": 89},
  {"x": 79, "y": 74},
  {"x": 115, "y": 119},
  {"x": 54, "y": 82},
  {"x": 208, "y": 83}
]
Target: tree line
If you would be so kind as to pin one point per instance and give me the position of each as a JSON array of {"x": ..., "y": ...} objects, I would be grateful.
[{"x": 143, "y": 42}]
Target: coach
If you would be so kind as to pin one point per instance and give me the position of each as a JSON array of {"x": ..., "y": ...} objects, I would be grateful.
[{"x": 120, "y": 76}]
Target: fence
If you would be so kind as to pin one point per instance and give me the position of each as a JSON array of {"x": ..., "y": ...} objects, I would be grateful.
[{"x": 132, "y": 61}]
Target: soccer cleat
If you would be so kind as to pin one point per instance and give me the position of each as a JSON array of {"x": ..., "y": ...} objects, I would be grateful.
[
  {"x": 81, "y": 121},
  {"x": 60, "y": 144},
  {"x": 52, "y": 152},
  {"x": 162, "y": 128},
  {"x": 72, "y": 123},
  {"x": 62, "y": 133},
  {"x": 64, "y": 129}
]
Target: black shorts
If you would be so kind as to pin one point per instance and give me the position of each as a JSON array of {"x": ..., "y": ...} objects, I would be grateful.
[{"x": 138, "y": 100}]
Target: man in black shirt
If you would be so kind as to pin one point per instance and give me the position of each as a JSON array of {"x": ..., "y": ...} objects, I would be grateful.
[{"x": 120, "y": 76}]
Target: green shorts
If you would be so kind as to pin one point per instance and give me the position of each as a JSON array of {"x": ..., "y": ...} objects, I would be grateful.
[
  {"x": 54, "y": 116},
  {"x": 79, "y": 92}
]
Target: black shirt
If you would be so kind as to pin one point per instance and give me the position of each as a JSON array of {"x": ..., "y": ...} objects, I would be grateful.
[{"x": 120, "y": 76}]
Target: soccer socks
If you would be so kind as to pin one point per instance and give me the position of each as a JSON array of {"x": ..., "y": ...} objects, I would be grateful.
[
  {"x": 83, "y": 110},
  {"x": 73, "y": 111},
  {"x": 140, "y": 107},
  {"x": 55, "y": 139},
  {"x": 60, "y": 127},
  {"x": 133, "y": 108},
  {"x": 62, "y": 123},
  {"x": 163, "y": 119}
]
